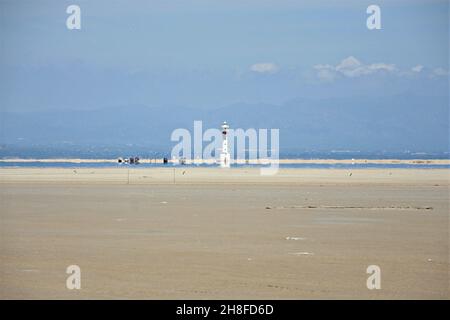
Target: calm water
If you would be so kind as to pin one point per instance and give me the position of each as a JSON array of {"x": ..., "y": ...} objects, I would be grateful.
[{"x": 151, "y": 165}]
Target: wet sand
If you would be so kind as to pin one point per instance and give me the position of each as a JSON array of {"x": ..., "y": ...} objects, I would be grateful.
[{"x": 198, "y": 233}]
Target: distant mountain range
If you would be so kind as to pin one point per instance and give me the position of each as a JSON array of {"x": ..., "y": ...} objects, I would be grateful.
[{"x": 391, "y": 124}]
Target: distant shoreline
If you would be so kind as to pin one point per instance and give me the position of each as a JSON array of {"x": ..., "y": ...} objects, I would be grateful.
[{"x": 262, "y": 161}]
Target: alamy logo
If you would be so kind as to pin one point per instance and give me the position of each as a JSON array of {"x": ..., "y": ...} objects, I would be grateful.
[
  {"x": 74, "y": 280},
  {"x": 374, "y": 20},
  {"x": 374, "y": 280},
  {"x": 74, "y": 20},
  {"x": 225, "y": 146}
]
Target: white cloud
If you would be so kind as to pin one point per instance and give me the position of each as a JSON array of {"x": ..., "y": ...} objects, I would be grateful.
[
  {"x": 417, "y": 68},
  {"x": 264, "y": 67},
  {"x": 351, "y": 67},
  {"x": 439, "y": 72},
  {"x": 324, "y": 73}
]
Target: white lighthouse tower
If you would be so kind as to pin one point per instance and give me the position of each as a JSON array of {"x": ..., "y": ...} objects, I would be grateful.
[{"x": 225, "y": 154}]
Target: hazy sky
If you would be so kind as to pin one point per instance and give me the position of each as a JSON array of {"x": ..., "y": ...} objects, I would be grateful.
[
  {"x": 211, "y": 53},
  {"x": 208, "y": 54}
]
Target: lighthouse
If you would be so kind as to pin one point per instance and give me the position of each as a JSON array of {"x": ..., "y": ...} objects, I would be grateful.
[{"x": 225, "y": 154}]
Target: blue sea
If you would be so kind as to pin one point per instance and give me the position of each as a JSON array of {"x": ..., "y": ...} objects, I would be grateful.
[{"x": 39, "y": 164}]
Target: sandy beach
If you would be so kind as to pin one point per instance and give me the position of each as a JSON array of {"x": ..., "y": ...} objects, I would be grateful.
[{"x": 206, "y": 233}]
